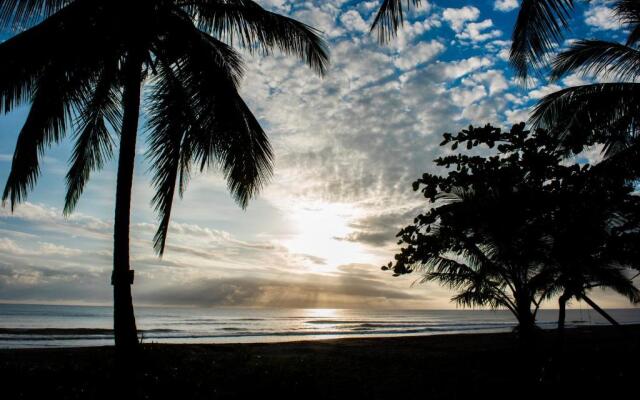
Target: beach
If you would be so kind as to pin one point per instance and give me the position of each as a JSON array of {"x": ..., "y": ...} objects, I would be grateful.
[{"x": 596, "y": 362}]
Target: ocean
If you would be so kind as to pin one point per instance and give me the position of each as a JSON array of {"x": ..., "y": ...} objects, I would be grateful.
[{"x": 30, "y": 325}]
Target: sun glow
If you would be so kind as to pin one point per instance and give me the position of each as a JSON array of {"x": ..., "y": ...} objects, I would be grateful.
[
  {"x": 321, "y": 312},
  {"x": 321, "y": 229}
]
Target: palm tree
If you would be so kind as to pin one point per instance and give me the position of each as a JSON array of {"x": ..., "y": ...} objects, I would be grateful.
[
  {"x": 593, "y": 239},
  {"x": 83, "y": 63}
]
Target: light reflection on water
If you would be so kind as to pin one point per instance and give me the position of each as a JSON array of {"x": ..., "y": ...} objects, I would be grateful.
[{"x": 244, "y": 325}]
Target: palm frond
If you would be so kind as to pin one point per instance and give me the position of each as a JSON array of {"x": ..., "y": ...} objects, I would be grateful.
[
  {"x": 24, "y": 57},
  {"x": 598, "y": 57},
  {"x": 634, "y": 35},
  {"x": 615, "y": 279},
  {"x": 168, "y": 122},
  {"x": 390, "y": 18},
  {"x": 482, "y": 295},
  {"x": 56, "y": 77},
  {"x": 446, "y": 270},
  {"x": 21, "y": 13},
  {"x": 181, "y": 39},
  {"x": 629, "y": 13},
  {"x": 57, "y": 40},
  {"x": 538, "y": 29},
  {"x": 229, "y": 136},
  {"x": 238, "y": 143},
  {"x": 45, "y": 125},
  {"x": 199, "y": 116},
  {"x": 94, "y": 144},
  {"x": 603, "y": 111},
  {"x": 623, "y": 163},
  {"x": 253, "y": 27}
]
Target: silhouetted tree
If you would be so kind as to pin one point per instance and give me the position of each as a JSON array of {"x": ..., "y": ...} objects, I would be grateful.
[
  {"x": 593, "y": 238},
  {"x": 494, "y": 227},
  {"x": 481, "y": 235},
  {"x": 539, "y": 28},
  {"x": 604, "y": 113},
  {"x": 83, "y": 63}
]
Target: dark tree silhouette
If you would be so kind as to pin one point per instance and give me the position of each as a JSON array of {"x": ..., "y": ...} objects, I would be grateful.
[
  {"x": 82, "y": 63},
  {"x": 593, "y": 234},
  {"x": 480, "y": 235},
  {"x": 539, "y": 27},
  {"x": 492, "y": 227},
  {"x": 600, "y": 112}
]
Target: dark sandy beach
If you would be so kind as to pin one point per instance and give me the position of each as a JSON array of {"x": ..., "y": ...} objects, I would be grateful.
[{"x": 599, "y": 362}]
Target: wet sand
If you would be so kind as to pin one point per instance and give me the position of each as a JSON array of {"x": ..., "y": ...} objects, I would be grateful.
[{"x": 598, "y": 362}]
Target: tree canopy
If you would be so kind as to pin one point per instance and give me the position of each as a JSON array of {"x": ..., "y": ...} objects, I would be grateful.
[{"x": 501, "y": 224}]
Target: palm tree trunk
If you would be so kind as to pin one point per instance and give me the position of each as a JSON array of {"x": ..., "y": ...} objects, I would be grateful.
[
  {"x": 556, "y": 364},
  {"x": 124, "y": 322},
  {"x": 562, "y": 304},
  {"x": 527, "y": 362},
  {"x": 600, "y": 310},
  {"x": 526, "y": 319}
]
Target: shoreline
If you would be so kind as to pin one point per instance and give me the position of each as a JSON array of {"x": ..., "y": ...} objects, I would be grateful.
[
  {"x": 100, "y": 336},
  {"x": 595, "y": 360}
]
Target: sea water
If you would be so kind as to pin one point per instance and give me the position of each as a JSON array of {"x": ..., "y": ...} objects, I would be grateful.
[{"x": 29, "y": 325}]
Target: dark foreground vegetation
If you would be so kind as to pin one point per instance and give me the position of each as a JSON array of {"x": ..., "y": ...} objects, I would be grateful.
[{"x": 599, "y": 362}]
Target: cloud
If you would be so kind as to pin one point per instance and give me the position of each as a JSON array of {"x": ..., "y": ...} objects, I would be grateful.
[
  {"x": 544, "y": 91},
  {"x": 418, "y": 54},
  {"x": 411, "y": 31},
  {"x": 322, "y": 18},
  {"x": 461, "y": 21},
  {"x": 380, "y": 229},
  {"x": 459, "y": 68},
  {"x": 278, "y": 5},
  {"x": 457, "y": 17},
  {"x": 506, "y": 5},
  {"x": 575, "y": 79},
  {"x": 601, "y": 17},
  {"x": 517, "y": 115},
  {"x": 27, "y": 282},
  {"x": 477, "y": 31},
  {"x": 494, "y": 80},
  {"x": 352, "y": 20},
  {"x": 467, "y": 95},
  {"x": 9, "y": 246},
  {"x": 355, "y": 287}
]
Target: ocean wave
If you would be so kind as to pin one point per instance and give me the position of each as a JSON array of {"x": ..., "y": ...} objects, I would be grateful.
[
  {"x": 94, "y": 334},
  {"x": 70, "y": 331}
]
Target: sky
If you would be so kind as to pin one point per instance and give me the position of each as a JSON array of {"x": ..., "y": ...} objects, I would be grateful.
[{"x": 347, "y": 148}]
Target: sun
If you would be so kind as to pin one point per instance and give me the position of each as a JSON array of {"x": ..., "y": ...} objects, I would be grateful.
[{"x": 320, "y": 231}]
